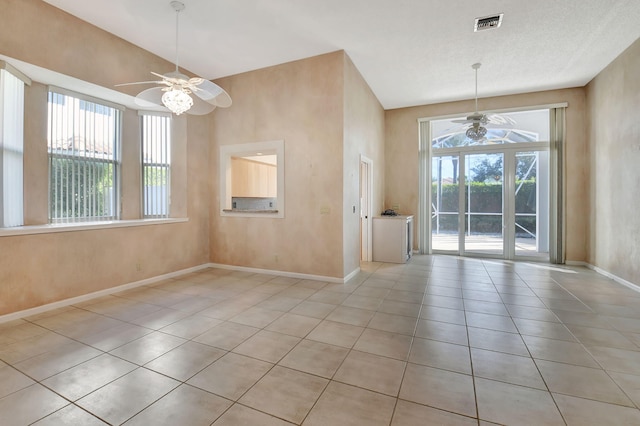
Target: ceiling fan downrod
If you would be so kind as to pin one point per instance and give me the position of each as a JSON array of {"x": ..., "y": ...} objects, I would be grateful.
[
  {"x": 475, "y": 67},
  {"x": 178, "y": 6}
]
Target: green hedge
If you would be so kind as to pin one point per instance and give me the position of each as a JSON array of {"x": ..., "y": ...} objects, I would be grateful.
[{"x": 485, "y": 198}]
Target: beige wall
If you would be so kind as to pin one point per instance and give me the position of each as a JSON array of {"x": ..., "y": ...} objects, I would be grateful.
[
  {"x": 363, "y": 135},
  {"x": 401, "y": 155},
  {"x": 327, "y": 116},
  {"x": 301, "y": 103},
  {"x": 37, "y": 33},
  {"x": 614, "y": 134},
  {"x": 43, "y": 268}
]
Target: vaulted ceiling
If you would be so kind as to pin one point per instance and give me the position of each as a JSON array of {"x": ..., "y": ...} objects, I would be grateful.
[{"x": 411, "y": 52}]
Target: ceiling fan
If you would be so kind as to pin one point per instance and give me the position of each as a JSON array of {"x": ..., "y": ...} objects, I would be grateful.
[
  {"x": 477, "y": 123},
  {"x": 175, "y": 89}
]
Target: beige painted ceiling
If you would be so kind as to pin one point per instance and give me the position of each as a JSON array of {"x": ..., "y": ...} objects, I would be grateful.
[{"x": 411, "y": 52}]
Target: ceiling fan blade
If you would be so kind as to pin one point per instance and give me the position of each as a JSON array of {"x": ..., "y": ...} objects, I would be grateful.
[
  {"x": 138, "y": 82},
  {"x": 453, "y": 130},
  {"x": 200, "y": 107},
  {"x": 207, "y": 90},
  {"x": 153, "y": 95},
  {"x": 213, "y": 94},
  {"x": 500, "y": 120},
  {"x": 223, "y": 100},
  {"x": 476, "y": 117},
  {"x": 195, "y": 81},
  {"x": 159, "y": 75}
]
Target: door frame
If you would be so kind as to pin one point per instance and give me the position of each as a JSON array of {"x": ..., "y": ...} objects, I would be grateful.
[
  {"x": 508, "y": 189},
  {"x": 366, "y": 207}
]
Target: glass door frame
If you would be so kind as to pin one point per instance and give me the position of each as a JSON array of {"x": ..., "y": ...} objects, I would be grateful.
[
  {"x": 509, "y": 186},
  {"x": 468, "y": 213}
]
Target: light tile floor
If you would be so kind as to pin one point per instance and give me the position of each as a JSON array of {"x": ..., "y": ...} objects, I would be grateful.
[{"x": 440, "y": 340}]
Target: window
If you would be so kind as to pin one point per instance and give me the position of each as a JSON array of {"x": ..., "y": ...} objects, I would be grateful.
[
  {"x": 252, "y": 179},
  {"x": 156, "y": 164},
  {"x": 84, "y": 158},
  {"x": 518, "y": 127},
  {"x": 11, "y": 145}
]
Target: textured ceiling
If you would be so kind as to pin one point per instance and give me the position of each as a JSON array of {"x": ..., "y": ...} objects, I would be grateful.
[{"x": 411, "y": 52}]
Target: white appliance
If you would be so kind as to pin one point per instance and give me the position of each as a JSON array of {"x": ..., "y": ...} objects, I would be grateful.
[{"x": 392, "y": 238}]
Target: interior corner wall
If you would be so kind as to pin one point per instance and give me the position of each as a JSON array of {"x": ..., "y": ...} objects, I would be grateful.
[
  {"x": 401, "y": 156},
  {"x": 613, "y": 99},
  {"x": 301, "y": 103},
  {"x": 38, "y": 269},
  {"x": 363, "y": 135}
]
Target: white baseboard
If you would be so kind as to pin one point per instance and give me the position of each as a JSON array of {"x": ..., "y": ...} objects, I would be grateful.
[
  {"x": 285, "y": 273},
  {"x": 606, "y": 273},
  {"x": 614, "y": 277},
  {"x": 79, "y": 299},
  {"x": 577, "y": 263},
  {"x": 351, "y": 275}
]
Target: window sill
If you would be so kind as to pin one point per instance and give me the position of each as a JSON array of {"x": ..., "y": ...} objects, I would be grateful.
[
  {"x": 252, "y": 213},
  {"x": 84, "y": 226},
  {"x": 248, "y": 211}
]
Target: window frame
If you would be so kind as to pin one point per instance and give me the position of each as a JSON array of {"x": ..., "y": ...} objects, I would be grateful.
[{"x": 115, "y": 161}]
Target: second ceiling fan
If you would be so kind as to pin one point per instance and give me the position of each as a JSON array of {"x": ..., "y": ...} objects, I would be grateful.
[{"x": 477, "y": 123}]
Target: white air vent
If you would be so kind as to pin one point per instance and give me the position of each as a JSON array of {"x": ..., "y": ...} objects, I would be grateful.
[{"x": 488, "y": 22}]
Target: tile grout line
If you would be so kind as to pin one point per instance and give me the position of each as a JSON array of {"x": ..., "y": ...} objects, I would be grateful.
[
  {"x": 579, "y": 341},
  {"x": 555, "y": 403}
]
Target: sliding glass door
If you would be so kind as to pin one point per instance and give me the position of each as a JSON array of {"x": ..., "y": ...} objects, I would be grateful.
[
  {"x": 490, "y": 198},
  {"x": 531, "y": 200},
  {"x": 445, "y": 204},
  {"x": 484, "y": 204}
]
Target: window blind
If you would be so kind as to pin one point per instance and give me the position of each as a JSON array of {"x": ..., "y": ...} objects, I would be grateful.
[
  {"x": 11, "y": 148},
  {"x": 156, "y": 164},
  {"x": 84, "y": 159}
]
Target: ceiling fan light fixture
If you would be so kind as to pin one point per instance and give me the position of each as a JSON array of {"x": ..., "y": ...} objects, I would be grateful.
[
  {"x": 177, "y": 101},
  {"x": 476, "y": 133}
]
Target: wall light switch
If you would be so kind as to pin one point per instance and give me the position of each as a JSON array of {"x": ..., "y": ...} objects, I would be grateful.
[{"x": 325, "y": 210}]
